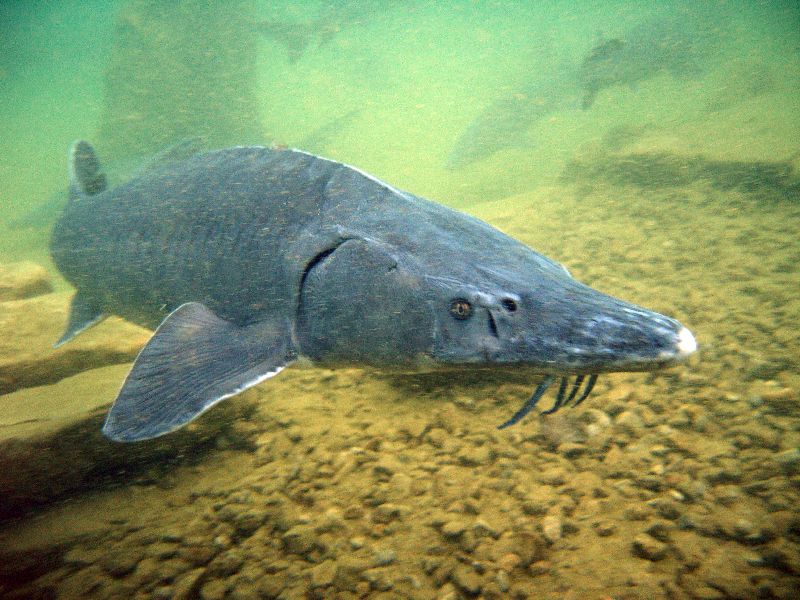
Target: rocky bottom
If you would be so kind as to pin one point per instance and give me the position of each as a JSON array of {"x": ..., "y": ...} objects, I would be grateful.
[
  {"x": 342, "y": 484},
  {"x": 349, "y": 499}
]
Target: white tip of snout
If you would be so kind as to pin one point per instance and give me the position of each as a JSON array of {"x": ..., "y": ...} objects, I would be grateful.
[{"x": 686, "y": 343}]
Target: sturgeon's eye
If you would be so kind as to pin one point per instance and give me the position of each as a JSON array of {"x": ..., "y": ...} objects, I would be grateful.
[
  {"x": 509, "y": 304},
  {"x": 460, "y": 309}
]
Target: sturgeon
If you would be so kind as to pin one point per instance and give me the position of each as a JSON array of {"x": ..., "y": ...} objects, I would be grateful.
[
  {"x": 674, "y": 46},
  {"x": 246, "y": 260}
]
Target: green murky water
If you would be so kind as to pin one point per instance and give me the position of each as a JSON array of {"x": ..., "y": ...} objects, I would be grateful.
[{"x": 653, "y": 149}]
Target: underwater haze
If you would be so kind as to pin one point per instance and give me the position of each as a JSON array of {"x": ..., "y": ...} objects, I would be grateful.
[{"x": 653, "y": 149}]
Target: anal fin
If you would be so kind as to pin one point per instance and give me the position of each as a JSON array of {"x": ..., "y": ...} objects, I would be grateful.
[
  {"x": 193, "y": 361},
  {"x": 82, "y": 315}
]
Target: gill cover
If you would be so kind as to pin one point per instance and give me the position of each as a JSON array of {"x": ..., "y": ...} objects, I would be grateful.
[{"x": 359, "y": 303}]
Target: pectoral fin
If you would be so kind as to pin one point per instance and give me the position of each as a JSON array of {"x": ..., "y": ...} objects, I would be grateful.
[
  {"x": 193, "y": 361},
  {"x": 82, "y": 314}
]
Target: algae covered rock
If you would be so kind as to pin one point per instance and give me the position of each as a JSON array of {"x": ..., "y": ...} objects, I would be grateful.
[
  {"x": 28, "y": 329},
  {"x": 23, "y": 280},
  {"x": 51, "y": 442}
]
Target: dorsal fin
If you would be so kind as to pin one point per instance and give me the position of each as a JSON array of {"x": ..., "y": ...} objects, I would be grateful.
[
  {"x": 85, "y": 178},
  {"x": 181, "y": 150}
]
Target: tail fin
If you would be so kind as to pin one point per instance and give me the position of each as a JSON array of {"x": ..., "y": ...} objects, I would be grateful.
[
  {"x": 295, "y": 37},
  {"x": 85, "y": 178}
]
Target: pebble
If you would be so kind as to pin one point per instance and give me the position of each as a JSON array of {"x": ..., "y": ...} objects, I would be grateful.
[
  {"x": 572, "y": 449},
  {"x": 146, "y": 572},
  {"x": 667, "y": 508},
  {"x": 588, "y": 483},
  {"x": 767, "y": 369},
  {"x": 353, "y": 512},
  {"x": 378, "y": 580},
  {"x": 162, "y": 550},
  {"x": 474, "y": 457},
  {"x": 23, "y": 280},
  {"x": 419, "y": 487},
  {"x": 120, "y": 563},
  {"x": 645, "y": 546},
  {"x": 653, "y": 483},
  {"x": 386, "y": 466},
  {"x": 447, "y": 592},
  {"x": 635, "y": 513},
  {"x": 187, "y": 585},
  {"x": 681, "y": 419},
  {"x": 728, "y": 472},
  {"x": 705, "y": 592},
  {"x": 386, "y": 513},
  {"x": 629, "y": 421},
  {"x": 468, "y": 541},
  {"x": 414, "y": 427},
  {"x": 402, "y": 485},
  {"x": 502, "y": 580},
  {"x": 552, "y": 476},
  {"x": 323, "y": 574},
  {"x": 747, "y": 532},
  {"x": 348, "y": 574},
  {"x": 781, "y": 402},
  {"x": 466, "y": 579},
  {"x": 482, "y": 529},
  {"x": 508, "y": 562},
  {"x": 789, "y": 460},
  {"x": 756, "y": 435},
  {"x": 299, "y": 539},
  {"x": 436, "y": 437},
  {"x": 525, "y": 544},
  {"x": 79, "y": 556},
  {"x": 551, "y": 527},
  {"x": 214, "y": 590},
  {"x": 453, "y": 529},
  {"x": 222, "y": 541},
  {"x": 659, "y": 530},
  {"x": 356, "y": 543},
  {"x": 383, "y": 557},
  {"x": 540, "y": 567},
  {"x": 163, "y": 592},
  {"x": 430, "y": 564},
  {"x": 604, "y": 528},
  {"x": 226, "y": 564},
  {"x": 197, "y": 554}
]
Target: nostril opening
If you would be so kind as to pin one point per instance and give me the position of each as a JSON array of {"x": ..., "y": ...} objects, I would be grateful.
[
  {"x": 492, "y": 326},
  {"x": 509, "y": 304}
]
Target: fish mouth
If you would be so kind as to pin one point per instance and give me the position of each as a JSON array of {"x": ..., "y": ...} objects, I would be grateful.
[
  {"x": 554, "y": 355},
  {"x": 579, "y": 360},
  {"x": 682, "y": 345},
  {"x": 581, "y": 387},
  {"x": 609, "y": 335}
]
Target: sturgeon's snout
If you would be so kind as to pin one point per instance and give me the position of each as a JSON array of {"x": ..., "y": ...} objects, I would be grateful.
[
  {"x": 588, "y": 334},
  {"x": 686, "y": 344},
  {"x": 624, "y": 337},
  {"x": 573, "y": 328}
]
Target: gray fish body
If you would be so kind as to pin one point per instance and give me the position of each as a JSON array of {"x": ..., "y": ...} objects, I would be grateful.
[
  {"x": 652, "y": 48},
  {"x": 236, "y": 230},
  {"x": 250, "y": 258},
  {"x": 204, "y": 230},
  {"x": 505, "y": 122},
  {"x": 646, "y": 51}
]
